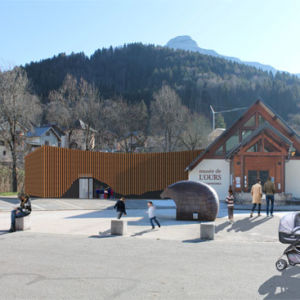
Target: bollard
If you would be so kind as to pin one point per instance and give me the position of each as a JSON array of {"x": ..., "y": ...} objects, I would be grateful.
[
  {"x": 23, "y": 223},
  {"x": 118, "y": 227},
  {"x": 207, "y": 230}
]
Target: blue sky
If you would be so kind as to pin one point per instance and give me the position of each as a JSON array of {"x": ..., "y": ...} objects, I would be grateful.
[{"x": 265, "y": 31}]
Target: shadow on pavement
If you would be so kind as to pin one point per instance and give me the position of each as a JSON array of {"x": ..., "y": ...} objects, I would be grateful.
[
  {"x": 286, "y": 284},
  {"x": 142, "y": 232},
  {"x": 95, "y": 214},
  {"x": 4, "y": 232},
  {"x": 103, "y": 235},
  {"x": 222, "y": 226},
  {"x": 194, "y": 241},
  {"x": 247, "y": 224}
]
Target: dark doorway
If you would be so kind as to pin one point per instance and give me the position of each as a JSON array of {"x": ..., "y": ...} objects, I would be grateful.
[{"x": 254, "y": 174}]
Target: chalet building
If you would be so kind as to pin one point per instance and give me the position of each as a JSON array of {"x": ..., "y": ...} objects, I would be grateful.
[
  {"x": 260, "y": 144},
  {"x": 49, "y": 135}
]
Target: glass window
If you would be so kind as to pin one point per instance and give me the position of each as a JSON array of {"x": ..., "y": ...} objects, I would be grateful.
[
  {"x": 250, "y": 122},
  {"x": 232, "y": 141},
  {"x": 1, "y": 143},
  {"x": 268, "y": 147},
  {"x": 261, "y": 120},
  {"x": 246, "y": 133},
  {"x": 256, "y": 147},
  {"x": 220, "y": 151}
]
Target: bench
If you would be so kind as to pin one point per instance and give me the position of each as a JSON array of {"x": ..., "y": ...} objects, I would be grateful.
[
  {"x": 207, "y": 231},
  {"x": 23, "y": 223},
  {"x": 118, "y": 227}
]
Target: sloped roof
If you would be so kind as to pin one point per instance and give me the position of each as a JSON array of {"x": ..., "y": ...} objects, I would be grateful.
[
  {"x": 39, "y": 131},
  {"x": 275, "y": 116},
  {"x": 263, "y": 127}
]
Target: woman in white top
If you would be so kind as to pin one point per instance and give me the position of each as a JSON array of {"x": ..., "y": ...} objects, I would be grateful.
[{"x": 151, "y": 214}]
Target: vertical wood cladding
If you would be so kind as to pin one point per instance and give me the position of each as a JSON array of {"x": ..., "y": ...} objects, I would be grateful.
[{"x": 51, "y": 171}]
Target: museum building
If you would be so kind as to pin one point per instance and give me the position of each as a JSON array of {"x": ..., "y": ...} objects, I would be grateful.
[{"x": 258, "y": 145}]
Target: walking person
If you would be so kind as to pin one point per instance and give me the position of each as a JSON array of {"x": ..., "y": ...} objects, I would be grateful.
[
  {"x": 269, "y": 190},
  {"x": 120, "y": 206},
  {"x": 256, "y": 192},
  {"x": 230, "y": 204},
  {"x": 23, "y": 210},
  {"x": 151, "y": 214}
]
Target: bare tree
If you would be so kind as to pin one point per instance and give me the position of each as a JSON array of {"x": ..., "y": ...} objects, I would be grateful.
[
  {"x": 196, "y": 132},
  {"x": 18, "y": 109},
  {"x": 126, "y": 123},
  {"x": 75, "y": 101},
  {"x": 168, "y": 117}
]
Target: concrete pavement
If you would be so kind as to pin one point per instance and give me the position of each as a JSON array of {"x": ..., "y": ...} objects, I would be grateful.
[{"x": 70, "y": 254}]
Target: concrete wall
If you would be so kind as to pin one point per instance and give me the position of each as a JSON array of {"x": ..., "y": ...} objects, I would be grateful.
[
  {"x": 214, "y": 172},
  {"x": 292, "y": 180}
]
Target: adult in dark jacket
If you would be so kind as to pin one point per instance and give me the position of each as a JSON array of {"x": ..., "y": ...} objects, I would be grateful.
[
  {"x": 120, "y": 206},
  {"x": 23, "y": 210},
  {"x": 269, "y": 190}
]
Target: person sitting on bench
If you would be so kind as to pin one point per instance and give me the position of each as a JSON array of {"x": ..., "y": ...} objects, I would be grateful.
[{"x": 23, "y": 210}]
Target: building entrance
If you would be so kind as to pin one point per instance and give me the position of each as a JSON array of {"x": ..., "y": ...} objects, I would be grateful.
[
  {"x": 86, "y": 188},
  {"x": 254, "y": 174}
]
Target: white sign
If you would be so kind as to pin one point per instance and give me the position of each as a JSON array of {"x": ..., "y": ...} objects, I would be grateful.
[
  {"x": 214, "y": 172},
  {"x": 211, "y": 177}
]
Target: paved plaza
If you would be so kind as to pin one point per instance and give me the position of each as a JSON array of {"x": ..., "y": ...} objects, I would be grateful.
[{"x": 70, "y": 254}]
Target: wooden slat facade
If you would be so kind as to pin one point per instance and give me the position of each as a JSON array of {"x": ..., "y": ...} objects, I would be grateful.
[{"x": 50, "y": 171}]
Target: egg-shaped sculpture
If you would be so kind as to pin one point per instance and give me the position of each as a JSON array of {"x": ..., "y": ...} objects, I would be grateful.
[{"x": 194, "y": 200}]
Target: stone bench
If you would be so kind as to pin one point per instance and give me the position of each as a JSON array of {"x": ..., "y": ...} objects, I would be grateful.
[
  {"x": 207, "y": 231},
  {"x": 23, "y": 223},
  {"x": 118, "y": 227}
]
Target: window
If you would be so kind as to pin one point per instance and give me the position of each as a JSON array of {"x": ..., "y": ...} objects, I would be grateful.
[
  {"x": 250, "y": 122},
  {"x": 246, "y": 133},
  {"x": 1, "y": 143},
  {"x": 268, "y": 147},
  {"x": 256, "y": 147},
  {"x": 220, "y": 151},
  {"x": 261, "y": 120},
  {"x": 48, "y": 133},
  {"x": 232, "y": 142},
  {"x": 4, "y": 153},
  {"x": 47, "y": 143}
]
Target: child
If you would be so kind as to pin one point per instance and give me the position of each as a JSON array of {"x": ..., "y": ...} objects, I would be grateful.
[
  {"x": 151, "y": 214},
  {"x": 230, "y": 204},
  {"x": 120, "y": 206}
]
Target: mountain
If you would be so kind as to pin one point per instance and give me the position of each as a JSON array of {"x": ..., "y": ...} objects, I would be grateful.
[
  {"x": 186, "y": 43},
  {"x": 136, "y": 71}
]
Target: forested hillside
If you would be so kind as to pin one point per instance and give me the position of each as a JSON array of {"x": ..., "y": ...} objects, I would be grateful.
[{"x": 137, "y": 71}]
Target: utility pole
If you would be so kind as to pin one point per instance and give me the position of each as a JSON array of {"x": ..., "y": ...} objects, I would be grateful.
[{"x": 220, "y": 112}]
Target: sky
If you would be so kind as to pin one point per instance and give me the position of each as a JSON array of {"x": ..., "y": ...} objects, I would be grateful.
[{"x": 265, "y": 31}]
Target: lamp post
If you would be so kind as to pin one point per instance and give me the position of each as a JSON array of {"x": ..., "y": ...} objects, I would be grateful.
[{"x": 223, "y": 111}]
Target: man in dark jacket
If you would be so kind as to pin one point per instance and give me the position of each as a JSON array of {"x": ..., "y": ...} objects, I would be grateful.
[
  {"x": 120, "y": 206},
  {"x": 269, "y": 190}
]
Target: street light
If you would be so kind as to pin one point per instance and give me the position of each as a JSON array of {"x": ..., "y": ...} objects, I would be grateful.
[{"x": 223, "y": 111}]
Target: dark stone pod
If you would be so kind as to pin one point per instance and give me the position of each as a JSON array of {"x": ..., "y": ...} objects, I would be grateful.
[{"x": 194, "y": 200}]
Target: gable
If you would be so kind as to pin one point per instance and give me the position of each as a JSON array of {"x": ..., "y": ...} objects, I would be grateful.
[
  {"x": 265, "y": 140},
  {"x": 258, "y": 114}
]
